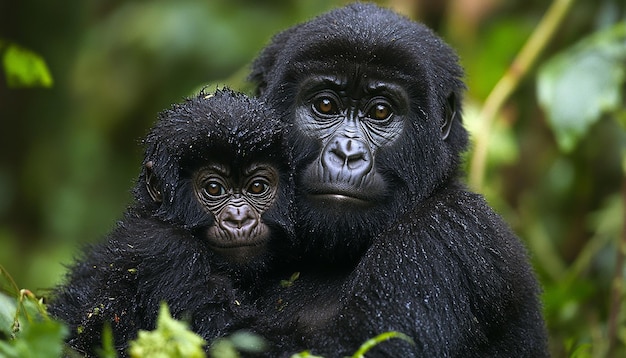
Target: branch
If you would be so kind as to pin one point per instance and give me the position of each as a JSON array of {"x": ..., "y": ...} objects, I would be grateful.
[
  {"x": 618, "y": 277},
  {"x": 522, "y": 64}
]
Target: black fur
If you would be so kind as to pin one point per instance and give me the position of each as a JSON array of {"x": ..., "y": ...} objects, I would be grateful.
[
  {"x": 156, "y": 254},
  {"x": 432, "y": 260}
]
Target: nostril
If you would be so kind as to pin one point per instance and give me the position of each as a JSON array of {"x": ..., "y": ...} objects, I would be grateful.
[
  {"x": 237, "y": 217},
  {"x": 338, "y": 152},
  {"x": 347, "y": 153},
  {"x": 356, "y": 157}
]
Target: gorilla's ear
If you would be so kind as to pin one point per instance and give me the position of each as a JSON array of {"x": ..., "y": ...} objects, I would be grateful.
[
  {"x": 449, "y": 115},
  {"x": 152, "y": 184}
]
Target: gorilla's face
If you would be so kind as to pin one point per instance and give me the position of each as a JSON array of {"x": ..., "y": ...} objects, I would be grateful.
[
  {"x": 237, "y": 198},
  {"x": 372, "y": 102},
  {"x": 351, "y": 122},
  {"x": 216, "y": 166}
]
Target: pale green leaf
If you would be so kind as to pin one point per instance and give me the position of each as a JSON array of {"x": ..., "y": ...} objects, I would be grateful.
[
  {"x": 7, "y": 314},
  {"x": 171, "y": 339},
  {"x": 578, "y": 86}
]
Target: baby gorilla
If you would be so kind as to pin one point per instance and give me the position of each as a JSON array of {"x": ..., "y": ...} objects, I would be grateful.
[{"x": 211, "y": 206}]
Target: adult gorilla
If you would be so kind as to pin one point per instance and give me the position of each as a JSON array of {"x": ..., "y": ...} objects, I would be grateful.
[{"x": 389, "y": 237}]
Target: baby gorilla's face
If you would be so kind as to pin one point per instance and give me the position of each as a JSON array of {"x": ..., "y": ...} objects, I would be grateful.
[{"x": 237, "y": 197}]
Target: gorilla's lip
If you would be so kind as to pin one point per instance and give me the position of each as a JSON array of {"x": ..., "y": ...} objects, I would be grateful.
[
  {"x": 337, "y": 192},
  {"x": 220, "y": 239},
  {"x": 340, "y": 197}
]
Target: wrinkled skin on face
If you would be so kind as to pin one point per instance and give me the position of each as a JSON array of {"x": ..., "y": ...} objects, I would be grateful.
[
  {"x": 236, "y": 197},
  {"x": 351, "y": 125}
]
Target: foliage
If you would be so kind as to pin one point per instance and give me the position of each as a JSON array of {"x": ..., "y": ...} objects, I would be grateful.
[
  {"x": 371, "y": 343},
  {"x": 242, "y": 341},
  {"x": 25, "y": 328},
  {"x": 554, "y": 163},
  {"x": 171, "y": 339},
  {"x": 579, "y": 85},
  {"x": 24, "y": 68}
]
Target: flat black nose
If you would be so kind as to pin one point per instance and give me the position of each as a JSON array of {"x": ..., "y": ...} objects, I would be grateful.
[
  {"x": 346, "y": 160},
  {"x": 349, "y": 152}
]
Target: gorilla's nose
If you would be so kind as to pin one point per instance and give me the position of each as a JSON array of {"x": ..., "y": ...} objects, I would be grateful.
[
  {"x": 238, "y": 218},
  {"x": 347, "y": 158}
]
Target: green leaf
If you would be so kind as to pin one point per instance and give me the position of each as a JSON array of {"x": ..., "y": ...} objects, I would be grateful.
[
  {"x": 290, "y": 281},
  {"x": 372, "y": 342},
  {"x": 305, "y": 354},
  {"x": 171, "y": 339},
  {"x": 248, "y": 342},
  {"x": 7, "y": 314},
  {"x": 578, "y": 86},
  {"x": 108, "y": 343},
  {"x": 230, "y": 346},
  {"x": 24, "y": 68},
  {"x": 37, "y": 339}
]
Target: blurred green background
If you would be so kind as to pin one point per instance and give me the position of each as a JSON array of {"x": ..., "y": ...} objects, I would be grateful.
[{"x": 69, "y": 152}]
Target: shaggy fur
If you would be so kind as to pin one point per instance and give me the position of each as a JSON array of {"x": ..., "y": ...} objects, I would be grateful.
[
  {"x": 157, "y": 253},
  {"x": 431, "y": 260}
]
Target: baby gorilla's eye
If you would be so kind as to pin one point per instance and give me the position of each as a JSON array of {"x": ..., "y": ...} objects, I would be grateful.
[
  {"x": 380, "y": 112},
  {"x": 325, "y": 105},
  {"x": 258, "y": 187},
  {"x": 214, "y": 188}
]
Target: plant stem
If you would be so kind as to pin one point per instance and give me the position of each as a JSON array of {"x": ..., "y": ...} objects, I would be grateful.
[
  {"x": 617, "y": 290},
  {"x": 507, "y": 84}
]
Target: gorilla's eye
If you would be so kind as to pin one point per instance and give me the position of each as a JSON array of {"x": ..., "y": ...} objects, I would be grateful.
[
  {"x": 325, "y": 106},
  {"x": 380, "y": 111},
  {"x": 258, "y": 187},
  {"x": 214, "y": 188}
]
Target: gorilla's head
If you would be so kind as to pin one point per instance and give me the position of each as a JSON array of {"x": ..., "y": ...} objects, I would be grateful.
[
  {"x": 373, "y": 100},
  {"x": 216, "y": 165}
]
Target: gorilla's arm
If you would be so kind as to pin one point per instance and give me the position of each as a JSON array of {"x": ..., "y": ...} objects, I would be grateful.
[
  {"x": 452, "y": 276},
  {"x": 449, "y": 274},
  {"x": 124, "y": 280}
]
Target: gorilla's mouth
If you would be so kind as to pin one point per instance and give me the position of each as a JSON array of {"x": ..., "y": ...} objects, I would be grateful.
[
  {"x": 343, "y": 188},
  {"x": 340, "y": 198},
  {"x": 220, "y": 239},
  {"x": 336, "y": 194},
  {"x": 364, "y": 193}
]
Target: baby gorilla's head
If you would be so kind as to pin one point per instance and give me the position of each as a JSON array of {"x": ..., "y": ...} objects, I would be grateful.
[{"x": 216, "y": 165}]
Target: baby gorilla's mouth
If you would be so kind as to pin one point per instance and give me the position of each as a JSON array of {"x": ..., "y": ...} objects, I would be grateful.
[{"x": 237, "y": 238}]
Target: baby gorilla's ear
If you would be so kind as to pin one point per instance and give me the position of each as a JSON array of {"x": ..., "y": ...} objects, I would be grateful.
[{"x": 152, "y": 184}]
